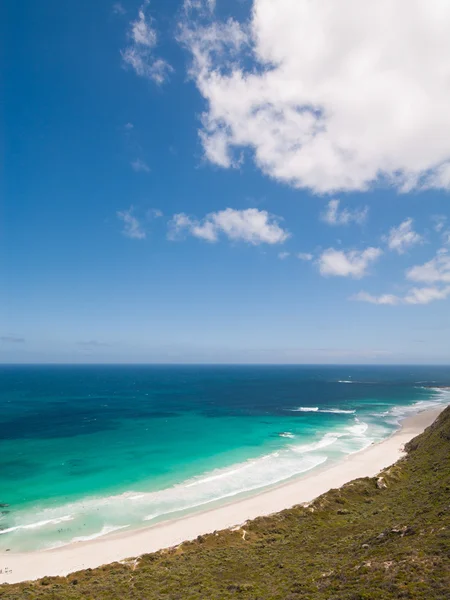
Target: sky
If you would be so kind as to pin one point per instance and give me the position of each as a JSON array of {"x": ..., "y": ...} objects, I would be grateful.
[{"x": 239, "y": 181}]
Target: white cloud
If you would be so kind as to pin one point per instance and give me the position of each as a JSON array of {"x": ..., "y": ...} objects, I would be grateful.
[
  {"x": 140, "y": 166},
  {"x": 139, "y": 53},
  {"x": 439, "y": 222},
  {"x": 439, "y": 178},
  {"x": 353, "y": 263},
  {"x": 305, "y": 256},
  {"x": 423, "y": 295},
  {"x": 203, "y": 7},
  {"x": 403, "y": 237},
  {"x": 333, "y": 216},
  {"x": 251, "y": 225},
  {"x": 141, "y": 29},
  {"x": 283, "y": 255},
  {"x": 426, "y": 295},
  {"x": 329, "y": 95},
  {"x": 383, "y": 299},
  {"x": 436, "y": 270},
  {"x": 128, "y": 126},
  {"x": 132, "y": 227}
]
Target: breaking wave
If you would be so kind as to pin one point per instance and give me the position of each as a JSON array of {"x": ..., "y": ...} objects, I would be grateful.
[{"x": 336, "y": 411}]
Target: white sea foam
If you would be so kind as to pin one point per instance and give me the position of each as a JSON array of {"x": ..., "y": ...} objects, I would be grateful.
[
  {"x": 359, "y": 429},
  {"x": 274, "y": 474},
  {"x": 323, "y": 410},
  {"x": 38, "y": 524},
  {"x": 328, "y": 439},
  {"x": 104, "y": 531},
  {"x": 397, "y": 413},
  {"x": 86, "y": 538},
  {"x": 443, "y": 394},
  {"x": 286, "y": 434},
  {"x": 345, "y": 381},
  {"x": 338, "y": 411}
]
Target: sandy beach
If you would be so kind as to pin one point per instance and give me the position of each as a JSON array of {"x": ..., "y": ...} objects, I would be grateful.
[{"x": 17, "y": 567}]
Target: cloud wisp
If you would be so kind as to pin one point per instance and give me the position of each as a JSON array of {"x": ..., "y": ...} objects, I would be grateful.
[
  {"x": 94, "y": 344},
  {"x": 325, "y": 102},
  {"x": 389, "y": 299},
  {"x": 139, "y": 54},
  {"x": 423, "y": 295},
  {"x": 140, "y": 166},
  {"x": 333, "y": 216},
  {"x": 251, "y": 225},
  {"x": 118, "y": 8},
  {"x": 12, "y": 339},
  {"x": 132, "y": 227},
  {"x": 403, "y": 237}
]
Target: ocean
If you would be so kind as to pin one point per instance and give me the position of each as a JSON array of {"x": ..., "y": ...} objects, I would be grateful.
[{"x": 88, "y": 450}]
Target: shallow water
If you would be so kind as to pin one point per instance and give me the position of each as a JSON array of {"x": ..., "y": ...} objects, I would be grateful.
[{"x": 87, "y": 450}]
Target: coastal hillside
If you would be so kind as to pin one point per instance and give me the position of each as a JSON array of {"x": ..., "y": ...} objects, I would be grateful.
[{"x": 374, "y": 539}]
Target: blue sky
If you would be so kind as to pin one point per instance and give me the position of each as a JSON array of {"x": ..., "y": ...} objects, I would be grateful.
[{"x": 222, "y": 182}]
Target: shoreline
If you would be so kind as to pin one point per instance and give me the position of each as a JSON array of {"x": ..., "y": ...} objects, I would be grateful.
[{"x": 18, "y": 567}]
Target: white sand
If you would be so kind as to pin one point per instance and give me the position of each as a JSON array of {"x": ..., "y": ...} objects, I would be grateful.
[{"x": 15, "y": 567}]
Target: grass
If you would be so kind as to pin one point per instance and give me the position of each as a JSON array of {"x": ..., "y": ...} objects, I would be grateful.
[{"x": 361, "y": 542}]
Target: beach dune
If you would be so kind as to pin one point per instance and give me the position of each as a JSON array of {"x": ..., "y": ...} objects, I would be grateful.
[{"x": 17, "y": 567}]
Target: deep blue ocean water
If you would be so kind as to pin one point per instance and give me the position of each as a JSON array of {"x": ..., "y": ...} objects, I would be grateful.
[{"x": 86, "y": 450}]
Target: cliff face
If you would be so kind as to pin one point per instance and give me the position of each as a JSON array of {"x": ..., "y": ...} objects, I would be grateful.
[{"x": 374, "y": 539}]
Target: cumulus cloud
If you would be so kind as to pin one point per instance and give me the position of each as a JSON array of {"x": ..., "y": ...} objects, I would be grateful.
[
  {"x": 403, "y": 237},
  {"x": 304, "y": 256},
  {"x": 426, "y": 295},
  {"x": 251, "y": 225},
  {"x": 140, "y": 166},
  {"x": 436, "y": 270},
  {"x": 333, "y": 216},
  {"x": 139, "y": 54},
  {"x": 328, "y": 95},
  {"x": 132, "y": 227},
  {"x": 354, "y": 263}
]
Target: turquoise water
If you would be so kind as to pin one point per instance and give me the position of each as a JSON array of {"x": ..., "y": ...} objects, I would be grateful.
[{"x": 87, "y": 450}]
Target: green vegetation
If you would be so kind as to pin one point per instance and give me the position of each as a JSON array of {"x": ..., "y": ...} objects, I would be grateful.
[{"x": 370, "y": 540}]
